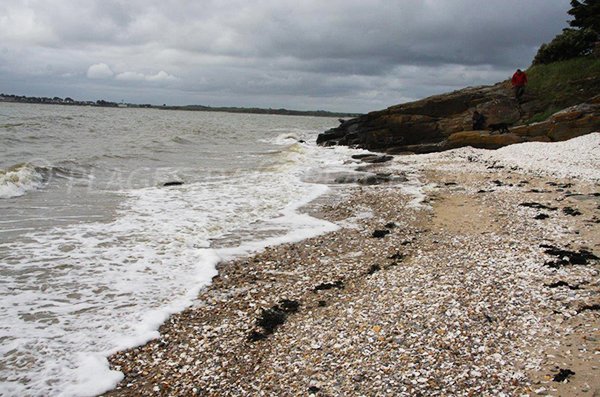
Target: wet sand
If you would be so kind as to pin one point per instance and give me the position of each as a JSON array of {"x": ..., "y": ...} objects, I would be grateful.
[{"x": 462, "y": 292}]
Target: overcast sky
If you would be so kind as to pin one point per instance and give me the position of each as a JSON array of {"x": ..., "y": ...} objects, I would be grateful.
[{"x": 339, "y": 55}]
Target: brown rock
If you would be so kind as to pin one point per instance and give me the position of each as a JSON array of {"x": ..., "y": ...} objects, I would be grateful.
[
  {"x": 481, "y": 140},
  {"x": 444, "y": 121}
]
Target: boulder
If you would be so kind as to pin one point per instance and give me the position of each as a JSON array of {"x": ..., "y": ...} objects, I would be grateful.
[{"x": 480, "y": 140}]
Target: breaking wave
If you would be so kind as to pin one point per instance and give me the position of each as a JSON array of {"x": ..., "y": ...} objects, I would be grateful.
[
  {"x": 19, "y": 179},
  {"x": 22, "y": 178}
]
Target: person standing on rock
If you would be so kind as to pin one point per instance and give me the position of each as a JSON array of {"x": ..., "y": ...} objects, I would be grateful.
[{"x": 519, "y": 80}]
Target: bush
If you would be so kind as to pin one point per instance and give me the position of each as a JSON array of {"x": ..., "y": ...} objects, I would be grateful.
[
  {"x": 564, "y": 83},
  {"x": 571, "y": 43}
]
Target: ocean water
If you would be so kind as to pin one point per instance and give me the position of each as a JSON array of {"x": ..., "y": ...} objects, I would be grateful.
[{"x": 95, "y": 252}]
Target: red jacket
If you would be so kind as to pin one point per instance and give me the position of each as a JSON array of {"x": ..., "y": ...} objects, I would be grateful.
[{"x": 519, "y": 79}]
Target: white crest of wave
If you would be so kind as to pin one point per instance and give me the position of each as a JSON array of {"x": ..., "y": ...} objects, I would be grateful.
[
  {"x": 19, "y": 179},
  {"x": 286, "y": 138}
]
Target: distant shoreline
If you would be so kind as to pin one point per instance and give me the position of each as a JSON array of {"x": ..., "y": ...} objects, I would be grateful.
[{"x": 102, "y": 103}]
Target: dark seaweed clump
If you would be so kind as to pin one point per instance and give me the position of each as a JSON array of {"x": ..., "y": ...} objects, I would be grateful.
[
  {"x": 273, "y": 317},
  {"x": 324, "y": 286},
  {"x": 563, "y": 375},
  {"x": 566, "y": 257}
]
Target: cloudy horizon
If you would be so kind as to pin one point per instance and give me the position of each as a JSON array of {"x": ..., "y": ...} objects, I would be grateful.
[{"x": 352, "y": 56}]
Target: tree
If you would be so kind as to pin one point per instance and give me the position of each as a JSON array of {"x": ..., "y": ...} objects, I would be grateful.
[
  {"x": 586, "y": 15},
  {"x": 571, "y": 43},
  {"x": 579, "y": 40}
]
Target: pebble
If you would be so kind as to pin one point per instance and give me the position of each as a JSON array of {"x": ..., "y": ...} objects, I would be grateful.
[{"x": 458, "y": 314}]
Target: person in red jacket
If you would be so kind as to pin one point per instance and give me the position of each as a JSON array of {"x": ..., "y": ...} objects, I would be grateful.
[{"x": 519, "y": 80}]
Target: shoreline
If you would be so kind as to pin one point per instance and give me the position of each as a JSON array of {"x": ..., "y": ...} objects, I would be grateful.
[{"x": 454, "y": 299}]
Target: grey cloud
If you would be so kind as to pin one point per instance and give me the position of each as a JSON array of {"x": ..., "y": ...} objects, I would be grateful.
[{"x": 363, "y": 54}]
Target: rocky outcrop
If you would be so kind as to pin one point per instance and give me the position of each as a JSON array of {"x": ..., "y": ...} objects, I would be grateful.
[
  {"x": 568, "y": 123},
  {"x": 444, "y": 122}
]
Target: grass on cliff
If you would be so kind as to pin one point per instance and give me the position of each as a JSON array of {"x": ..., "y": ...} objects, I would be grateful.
[{"x": 562, "y": 84}]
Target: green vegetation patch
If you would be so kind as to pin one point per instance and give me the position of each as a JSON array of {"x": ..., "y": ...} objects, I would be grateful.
[{"x": 565, "y": 83}]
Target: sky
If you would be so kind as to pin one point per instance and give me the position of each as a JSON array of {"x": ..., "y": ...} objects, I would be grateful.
[{"x": 336, "y": 55}]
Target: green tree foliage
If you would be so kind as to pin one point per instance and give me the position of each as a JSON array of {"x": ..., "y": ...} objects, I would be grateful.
[
  {"x": 576, "y": 41},
  {"x": 586, "y": 15},
  {"x": 571, "y": 43}
]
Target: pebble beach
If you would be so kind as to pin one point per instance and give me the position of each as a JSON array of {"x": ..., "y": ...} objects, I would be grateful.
[{"x": 469, "y": 273}]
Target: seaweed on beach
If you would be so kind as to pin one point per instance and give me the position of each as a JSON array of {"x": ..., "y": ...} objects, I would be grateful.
[
  {"x": 556, "y": 264},
  {"x": 537, "y": 191},
  {"x": 563, "y": 375},
  {"x": 270, "y": 319},
  {"x": 325, "y": 286},
  {"x": 593, "y": 307},
  {"x": 255, "y": 336},
  {"x": 571, "y": 211},
  {"x": 289, "y": 306},
  {"x": 374, "y": 268},
  {"x": 567, "y": 257},
  {"x": 537, "y": 206},
  {"x": 380, "y": 233},
  {"x": 397, "y": 256},
  {"x": 562, "y": 284},
  {"x": 273, "y": 317},
  {"x": 560, "y": 185}
]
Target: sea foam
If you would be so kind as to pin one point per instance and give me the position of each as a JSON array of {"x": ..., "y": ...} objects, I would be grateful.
[
  {"x": 85, "y": 291},
  {"x": 20, "y": 179}
]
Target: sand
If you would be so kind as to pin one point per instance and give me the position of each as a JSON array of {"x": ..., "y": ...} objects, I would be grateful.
[{"x": 463, "y": 297}]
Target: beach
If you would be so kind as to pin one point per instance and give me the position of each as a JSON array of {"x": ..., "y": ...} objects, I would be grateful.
[
  {"x": 114, "y": 219},
  {"x": 471, "y": 272}
]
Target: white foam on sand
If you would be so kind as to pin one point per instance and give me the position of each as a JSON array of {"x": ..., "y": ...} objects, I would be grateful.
[{"x": 85, "y": 291}]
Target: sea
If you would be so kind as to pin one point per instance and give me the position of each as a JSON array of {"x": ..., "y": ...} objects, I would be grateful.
[{"x": 96, "y": 252}]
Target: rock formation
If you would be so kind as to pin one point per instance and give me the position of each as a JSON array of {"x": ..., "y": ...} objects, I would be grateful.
[{"x": 444, "y": 122}]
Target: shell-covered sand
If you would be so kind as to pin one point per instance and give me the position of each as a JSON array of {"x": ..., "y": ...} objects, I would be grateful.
[{"x": 478, "y": 289}]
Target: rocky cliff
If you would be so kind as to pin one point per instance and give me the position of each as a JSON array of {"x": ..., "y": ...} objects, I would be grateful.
[{"x": 444, "y": 122}]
